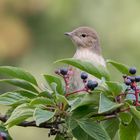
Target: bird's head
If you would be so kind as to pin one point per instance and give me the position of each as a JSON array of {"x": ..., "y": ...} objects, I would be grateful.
[{"x": 85, "y": 37}]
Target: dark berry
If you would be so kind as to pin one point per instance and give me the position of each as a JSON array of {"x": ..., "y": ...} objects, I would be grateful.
[
  {"x": 64, "y": 71},
  {"x": 132, "y": 70},
  {"x": 3, "y": 135},
  {"x": 132, "y": 78},
  {"x": 137, "y": 78},
  {"x": 127, "y": 82},
  {"x": 84, "y": 75},
  {"x": 92, "y": 84}
]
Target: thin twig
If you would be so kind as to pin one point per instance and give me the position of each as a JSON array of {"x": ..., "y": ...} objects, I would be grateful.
[
  {"x": 32, "y": 123},
  {"x": 77, "y": 91},
  {"x": 109, "y": 117},
  {"x": 66, "y": 80}
]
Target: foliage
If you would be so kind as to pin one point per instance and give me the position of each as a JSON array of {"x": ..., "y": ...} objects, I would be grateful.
[{"x": 98, "y": 114}]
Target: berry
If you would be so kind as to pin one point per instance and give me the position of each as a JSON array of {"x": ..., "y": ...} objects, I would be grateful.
[
  {"x": 92, "y": 84},
  {"x": 127, "y": 82},
  {"x": 84, "y": 75},
  {"x": 137, "y": 78},
  {"x": 132, "y": 78},
  {"x": 64, "y": 71},
  {"x": 3, "y": 135},
  {"x": 132, "y": 70}
]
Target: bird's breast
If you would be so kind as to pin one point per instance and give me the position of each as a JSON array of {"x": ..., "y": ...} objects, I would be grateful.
[
  {"x": 92, "y": 57},
  {"x": 85, "y": 55}
]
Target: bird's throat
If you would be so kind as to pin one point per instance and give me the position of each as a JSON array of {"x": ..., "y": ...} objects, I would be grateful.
[{"x": 88, "y": 55}]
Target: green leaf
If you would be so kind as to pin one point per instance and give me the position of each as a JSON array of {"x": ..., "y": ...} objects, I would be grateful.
[
  {"x": 27, "y": 94},
  {"x": 88, "y": 99},
  {"x": 136, "y": 115},
  {"x": 71, "y": 122},
  {"x": 41, "y": 116},
  {"x": 128, "y": 132},
  {"x": 80, "y": 134},
  {"x": 11, "y": 98},
  {"x": 17, "y": 73},
  {"x": 83, "y": 112},
  {"x": 106, "y": 104},
  {"x": 97, "y": 70},
  {"x": 125, "y": 117},
  {"x": 115, "y": 87},
  {"x": 59, "y": 137},
  {"x": 124, "y": 69},
  {"x": 52, "y": 79},
  {"x": 20, "y": 83},
  {"x": 62, "y": 99},
  {"x": 21, "y": 113},
  {"x": 54, "y": 88},
  {"x": 111, "y": 126},
  {"x": 45, "y": 94},
  {"x": 79, "y": 113},
  {"x": 41, "y": 100},
  {"x": 94, "y": 129}
]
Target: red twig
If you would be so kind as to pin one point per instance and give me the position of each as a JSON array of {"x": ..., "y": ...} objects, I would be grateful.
[
  {"x": 124, "y": 94},
  {"x": 66, "y": 80},
  {"x": 136, "y": 93},
  {"x": 137, "y": 96},
  {"x": 77, "y": 91}
]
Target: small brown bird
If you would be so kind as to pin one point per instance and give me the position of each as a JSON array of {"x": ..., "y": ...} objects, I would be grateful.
[{"x": 88, "y": 48}]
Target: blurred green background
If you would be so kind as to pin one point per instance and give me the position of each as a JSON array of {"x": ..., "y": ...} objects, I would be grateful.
[{"x": 31, "y": 36}]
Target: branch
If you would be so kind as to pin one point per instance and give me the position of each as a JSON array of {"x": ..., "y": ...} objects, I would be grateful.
[
  {"x": 77, "y": 91},
  {"x": 110, "y": 115},
  {"x": 4, "y": 118}
]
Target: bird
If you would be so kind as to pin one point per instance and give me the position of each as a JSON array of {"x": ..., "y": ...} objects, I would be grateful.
[{"x": 87, "y": 43}]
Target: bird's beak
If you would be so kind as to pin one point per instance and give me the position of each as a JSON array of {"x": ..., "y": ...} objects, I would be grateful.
[{"x": 68, "y": 33}]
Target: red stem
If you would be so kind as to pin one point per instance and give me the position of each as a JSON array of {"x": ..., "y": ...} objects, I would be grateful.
[
  {"x": 123, "y": 94},
  {"x": 137, "y": 97},
  {"x": 136, "y": 94},
  {"x": 66, "y": 80},
  {"x": 77, "y": 91}
]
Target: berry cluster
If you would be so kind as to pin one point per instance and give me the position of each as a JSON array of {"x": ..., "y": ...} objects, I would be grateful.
[
  {"x": 65, "y": 73},
  {"x": 3, "y": 136},
  {"x": 132, "y": 84},
  {"x": 89, "y": 85},
  {"x": 130, "y": 80}
]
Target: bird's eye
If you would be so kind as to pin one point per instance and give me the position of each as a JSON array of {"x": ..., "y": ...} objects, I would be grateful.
[{"x": 83, "y": 35}]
